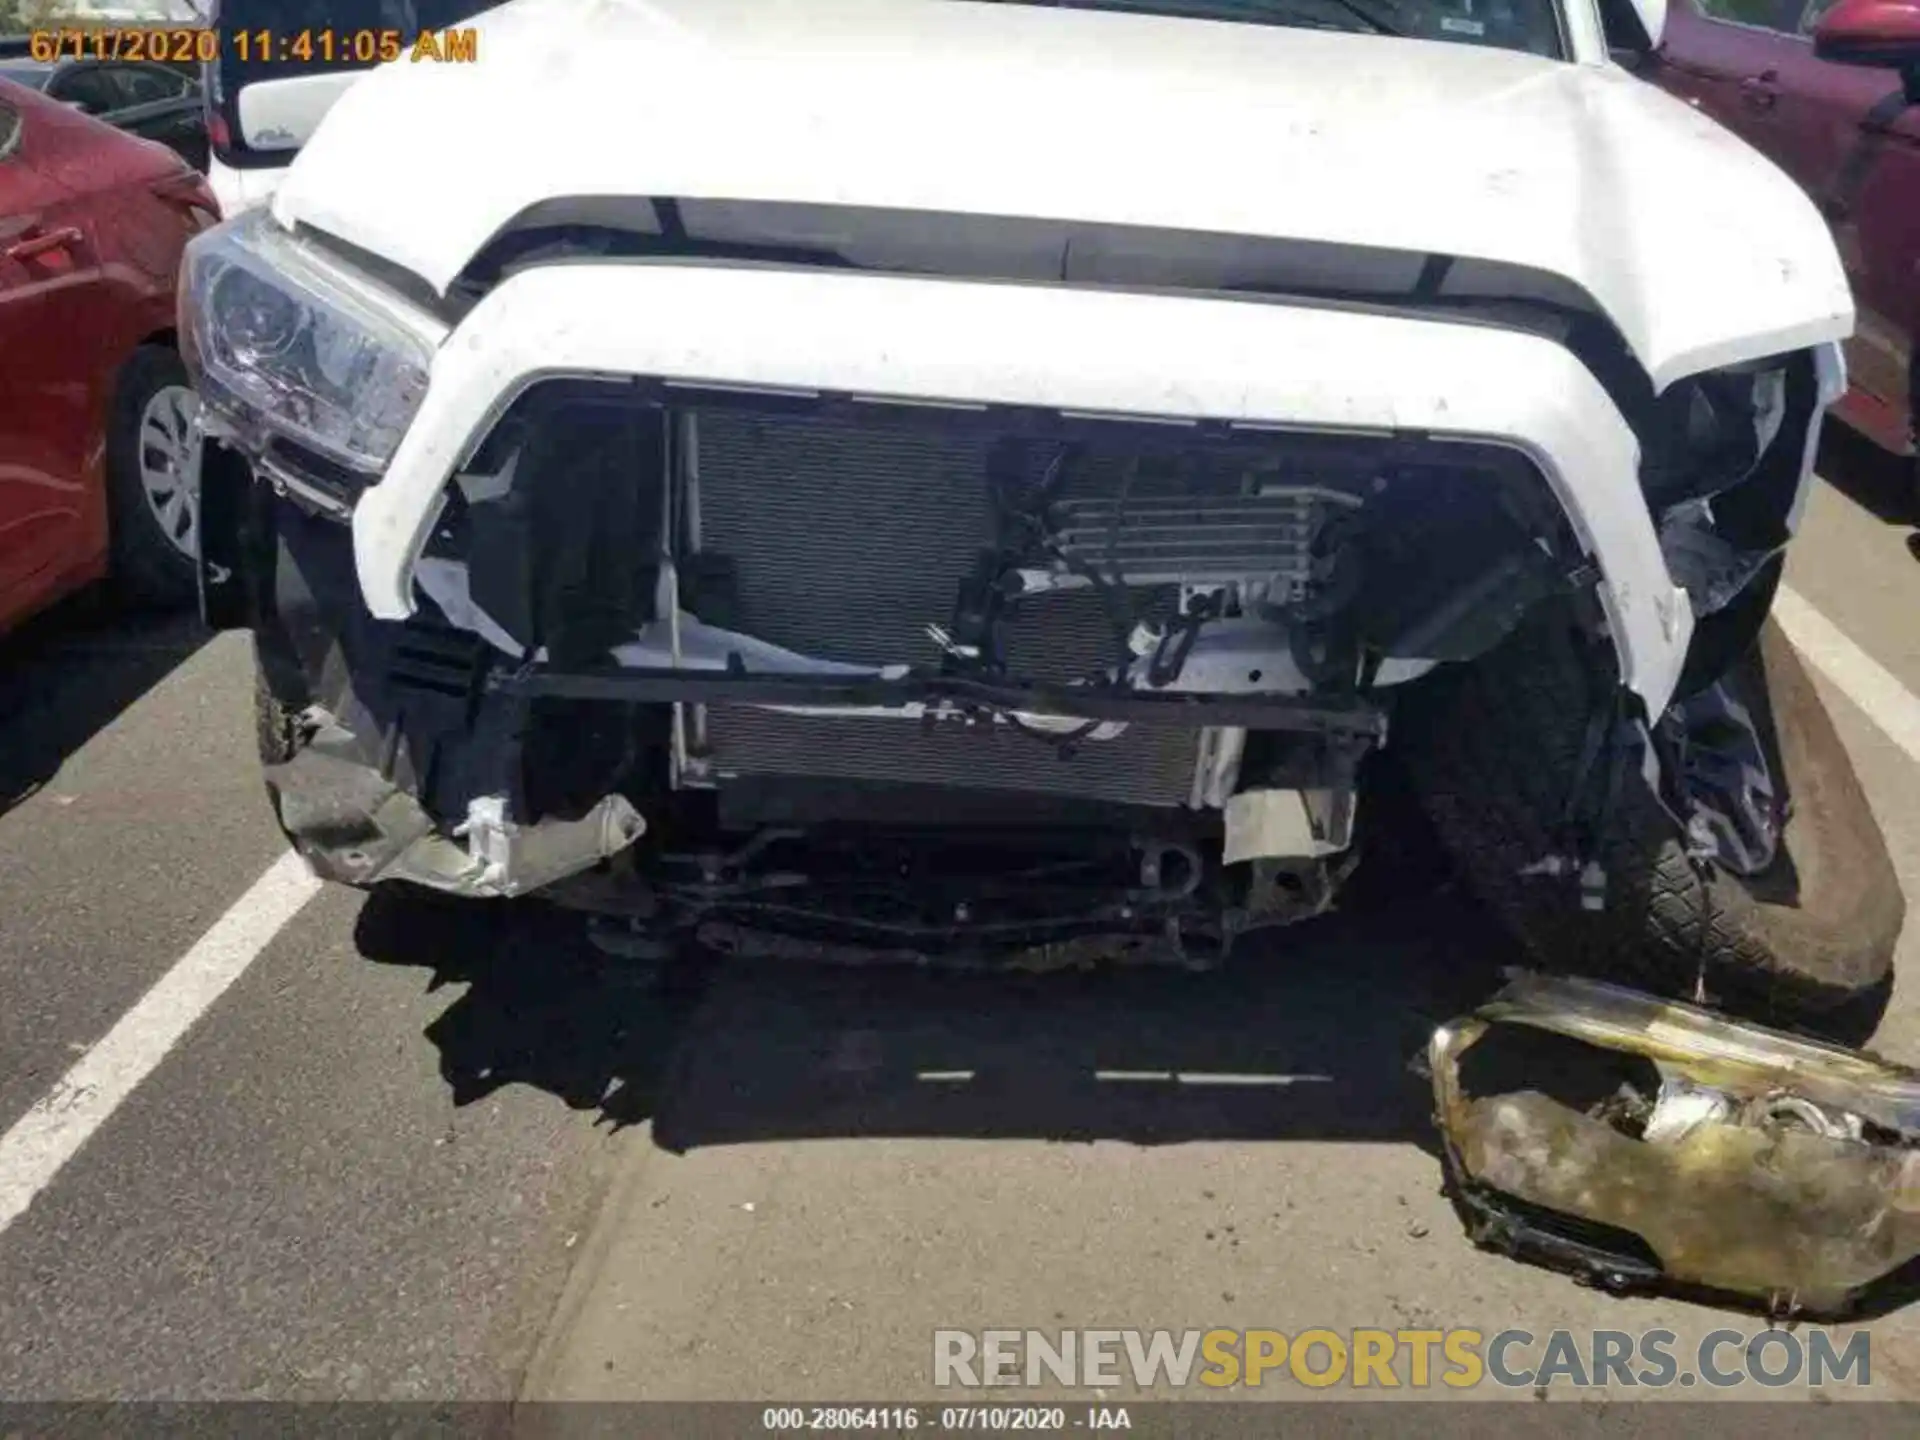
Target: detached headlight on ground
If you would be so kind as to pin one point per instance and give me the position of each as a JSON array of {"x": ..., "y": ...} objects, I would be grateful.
[{"x": 281, "y": 332}]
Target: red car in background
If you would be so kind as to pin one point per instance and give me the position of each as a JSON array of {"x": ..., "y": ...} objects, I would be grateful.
[
  {"x": 1851, "y": 139},
  {"x": 95, "y": 406}
]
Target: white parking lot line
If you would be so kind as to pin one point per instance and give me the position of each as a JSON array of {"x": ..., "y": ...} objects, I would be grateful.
[
  {"x": 1861, "y": 678},
  {"x": 63, "y": 1119}
]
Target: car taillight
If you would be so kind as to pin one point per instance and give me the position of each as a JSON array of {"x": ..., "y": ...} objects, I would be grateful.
[{"x": 217, "y": 131}]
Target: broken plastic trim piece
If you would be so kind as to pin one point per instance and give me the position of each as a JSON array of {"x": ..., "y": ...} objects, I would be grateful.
[
  {"x": 1296, "y": 824},
  {"x": 354, "y": 825},
  {"x": 506, "y": 858},
  {"x": 502, "y": 859},
  {"x": 1760, "y": 1165}
]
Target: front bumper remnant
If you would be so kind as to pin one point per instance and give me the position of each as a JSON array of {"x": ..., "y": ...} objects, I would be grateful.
[
  {"x": 1640, "y": 1142},
  {"x": 354, "y": 825}
]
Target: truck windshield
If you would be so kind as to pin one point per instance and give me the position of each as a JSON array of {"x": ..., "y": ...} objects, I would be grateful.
[
  {"x": 1530, "y": 25},
  {"x": 271, "y": 55}
]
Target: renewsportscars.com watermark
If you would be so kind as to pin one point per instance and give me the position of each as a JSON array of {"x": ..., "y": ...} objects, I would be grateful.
[{"x": 1459, "y": 1359}]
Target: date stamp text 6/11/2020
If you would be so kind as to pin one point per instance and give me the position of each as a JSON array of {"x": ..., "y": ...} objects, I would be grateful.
[{"x": 198, "y": 45}]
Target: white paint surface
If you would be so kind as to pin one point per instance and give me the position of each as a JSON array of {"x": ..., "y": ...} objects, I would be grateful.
[
  {"x": 83, "y": 1099},
  {"x": 1701, "y": 251}
]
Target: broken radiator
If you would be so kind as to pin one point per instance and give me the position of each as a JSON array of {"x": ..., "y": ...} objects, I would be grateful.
[{"x": 846, "y": 539}]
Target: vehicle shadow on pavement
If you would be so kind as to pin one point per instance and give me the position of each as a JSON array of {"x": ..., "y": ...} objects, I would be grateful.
[
  {"x": 1307, "y": 1034},
  {"x": 67, "y": 674},
  {"x": 1879, "y": 482}
]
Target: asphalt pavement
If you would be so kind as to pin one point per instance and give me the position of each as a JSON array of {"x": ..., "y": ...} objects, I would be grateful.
[{"x": 411, "y": 1152}]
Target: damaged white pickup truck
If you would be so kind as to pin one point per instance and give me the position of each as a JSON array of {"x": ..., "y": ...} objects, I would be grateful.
[{"x": 919, "y": 478}]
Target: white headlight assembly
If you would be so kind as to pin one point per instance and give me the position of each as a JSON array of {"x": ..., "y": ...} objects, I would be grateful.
[{"x": 282, "y": 332}]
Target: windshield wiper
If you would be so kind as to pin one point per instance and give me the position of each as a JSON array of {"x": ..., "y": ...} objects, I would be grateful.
[{"x": 1360, "y": 12}]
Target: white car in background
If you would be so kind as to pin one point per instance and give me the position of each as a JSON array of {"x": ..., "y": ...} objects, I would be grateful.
[{"x": 281, "y": 65}]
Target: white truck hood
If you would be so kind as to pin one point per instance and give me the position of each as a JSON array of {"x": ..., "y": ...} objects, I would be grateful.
[{"x": 1700, "y": 251}]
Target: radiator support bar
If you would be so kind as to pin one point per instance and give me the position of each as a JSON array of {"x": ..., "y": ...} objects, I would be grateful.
[{"x": 1326, "y": 715}]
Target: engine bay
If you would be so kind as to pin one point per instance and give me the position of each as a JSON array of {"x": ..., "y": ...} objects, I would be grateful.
[{"x": 1148, "y": 662}]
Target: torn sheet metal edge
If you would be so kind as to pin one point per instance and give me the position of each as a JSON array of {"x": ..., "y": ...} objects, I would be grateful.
[{"x": 1804, "y": 1221}]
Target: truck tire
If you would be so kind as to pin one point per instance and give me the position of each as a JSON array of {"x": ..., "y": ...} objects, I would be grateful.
[
  {"x": 275, "y": 727},
  {"x": 280, "y": 695},
  {"x": 1492, "y": 750}
]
